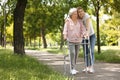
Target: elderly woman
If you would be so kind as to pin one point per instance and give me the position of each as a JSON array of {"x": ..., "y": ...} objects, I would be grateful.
[{"x": 73, "y": 33}]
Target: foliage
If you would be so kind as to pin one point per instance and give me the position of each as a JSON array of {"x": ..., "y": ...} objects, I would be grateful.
[
  {"x": 110, "y": 30},
  {"x": 116, "y": 5},
  {"x": 16, "y": 67},
  {"x": 53, "y": 37},
  {"x": 9, "y": 33},
  {"x": 50, "y": 15}
]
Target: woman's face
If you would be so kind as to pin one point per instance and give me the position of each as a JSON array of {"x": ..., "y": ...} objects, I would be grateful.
[
  {"x": 74, "y": 15},
  {"x": 80, "y": 13}
]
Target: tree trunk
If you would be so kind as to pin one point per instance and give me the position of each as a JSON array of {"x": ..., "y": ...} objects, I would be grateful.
[
  {"x": 62, "y": 40},
  {"x": 98, "y": 32},
  {"x": 18, "y": 27},
  {"x": 34, "y": 42},
  {"x": 39, "y": 41},
  {"x": 43, "y": 37},
  {"x": 26, "y": 41},
  {"x": 2, "y": 35},
  {"x": 97, "y": 8},
  {"x": 30, "y": 41}
]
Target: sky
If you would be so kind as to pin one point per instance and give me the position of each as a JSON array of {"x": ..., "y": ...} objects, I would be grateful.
[{"x": 2, "y": 1}]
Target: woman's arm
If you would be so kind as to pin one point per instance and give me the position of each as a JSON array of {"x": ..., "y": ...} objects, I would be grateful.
[
  {"x": 88, "y": 26},
  {"x": 65, "y": 30}
]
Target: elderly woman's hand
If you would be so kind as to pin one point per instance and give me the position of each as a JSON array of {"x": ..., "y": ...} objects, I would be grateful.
[
  {"x": 64, "y": 37},
  {"x": 86, "y": 35}
]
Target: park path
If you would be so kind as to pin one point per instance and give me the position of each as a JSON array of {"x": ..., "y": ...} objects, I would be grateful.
[{"x": 103, "y": 71}]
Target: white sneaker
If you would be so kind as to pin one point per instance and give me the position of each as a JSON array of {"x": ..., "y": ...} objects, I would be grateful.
[
  {"x": 85, "y": 70},
  {"x": 76, "y": 71},
  {"x": 73, "y": 72},
  {"x": 91, "y": 70}
]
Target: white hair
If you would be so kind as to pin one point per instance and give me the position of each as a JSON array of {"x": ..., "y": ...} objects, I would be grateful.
[{"x": 71, "y": 11}]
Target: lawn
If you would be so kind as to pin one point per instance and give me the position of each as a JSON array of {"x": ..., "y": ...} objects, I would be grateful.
[{"x": 17, "y": 67}]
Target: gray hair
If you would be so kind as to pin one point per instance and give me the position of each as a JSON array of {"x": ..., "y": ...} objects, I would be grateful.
[{"x": 71, "y": 11}]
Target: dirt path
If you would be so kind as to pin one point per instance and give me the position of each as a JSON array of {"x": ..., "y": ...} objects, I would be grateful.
[{"x": 103, "y": 71}]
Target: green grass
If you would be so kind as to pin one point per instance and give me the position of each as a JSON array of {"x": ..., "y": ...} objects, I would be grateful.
[
  {"x": 16, "y": 67},
  {"x": 55, "y": 50},
  {"x": 111, "y": 56}
]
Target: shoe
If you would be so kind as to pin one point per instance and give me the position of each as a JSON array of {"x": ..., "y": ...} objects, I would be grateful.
[
  {"x": 85, "y": 70},
  {"x": 73, "y": 72},
  {"x": 76, "y": 71},
  {"x": 91, "y": 70}
]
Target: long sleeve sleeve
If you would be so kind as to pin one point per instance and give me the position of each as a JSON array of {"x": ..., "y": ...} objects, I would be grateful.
[{"x": 83, "y": 29}]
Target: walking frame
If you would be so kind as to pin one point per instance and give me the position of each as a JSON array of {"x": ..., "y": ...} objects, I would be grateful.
[{"x": 84, "y": 43}]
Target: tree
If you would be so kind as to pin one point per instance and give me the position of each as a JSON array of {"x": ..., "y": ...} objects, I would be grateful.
[
  {"x": 116, "y": 5},
  {"x": 7, "y": 7},
  {"x": 47, "y": 17},
  {"x": 97, "y": 6},
  {"x": 36, "y": 19},
  {"x": 110, "y": 30},
  {"x": 18, "y": 27}
]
